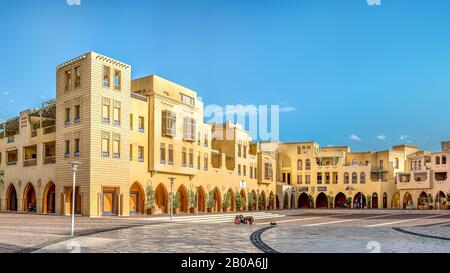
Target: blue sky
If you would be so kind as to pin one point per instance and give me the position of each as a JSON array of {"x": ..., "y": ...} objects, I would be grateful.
[{"x": 351, "y": 73}]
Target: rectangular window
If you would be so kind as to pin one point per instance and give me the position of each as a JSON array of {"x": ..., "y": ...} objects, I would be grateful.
[
  {"x": 170, "y": 154},
  {"x": 189, "y": 129},
  {"x": 206, "y": 140},
  {"x": 77, "y": 76},
  {"x": 67, "y": 116},
  {"x": 239, "y": 150},
  {"x": 169, "y": 122},
  {"x": 131, "y": 121},
  {"x": 105, "y": 113},
  {"x": 255, "y": 173},
  {"x": 77, "y": 147},
  {"x": 245, "y": 152},
  {"x": 300, "y": 179},
  {"x": 319, "y": 178},
  {"x": 141, "y": 124},
  {"x": 198, "y": 161},
  {"x": 268, "y": 171},
  {"x": 116, "y": 148},
  {"x": 244, "y": 168},
  {"x": 68, "y": 79},
  {"x": 131, "y": 152},
  {"x": 191, "y": 158},
  {"x": 251, "y": 172},
  {"x": 77, "y": 117},
  {"x": 162, "y": 153},
  {"x": 307, "y": 179},
  {"x": 105, "y": 147},
  {"x": 187, "y": 99},
  {"x": 184, "y": 157},
  {"x": 67, "y": 149},
  {"x": 239, "y": 169},
  {"x": 206, "y": 162},
  {"x": 199, "y": 136},
  {"x": 117, "y": 79},
  {"x": 116, "y": 116},
  {"x": 106, "y": 76},
  {"x": 141, "y": 154}
]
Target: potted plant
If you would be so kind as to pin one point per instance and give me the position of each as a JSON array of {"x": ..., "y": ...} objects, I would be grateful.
[
  {"x": 348, "y": 201},
  {"x": 369, "y": 201},
  {"x": 176, "y": 203},
  {"x": 251, "y": 201},
  {"x": 271, "y": 202},
  {"x": 239, "y": 201},
  {"x": 150, "y": 194},
  {"x": 210, "y": 202},
  {"x": 226, "y": 201},
  {"x": 261, "y": 205},
  {"x": 192, "y": 202}
]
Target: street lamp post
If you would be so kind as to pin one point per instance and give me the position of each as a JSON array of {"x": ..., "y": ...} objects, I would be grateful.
[
  {"x": 171, "y": 197},
  {"x": 74, "y": 170}
]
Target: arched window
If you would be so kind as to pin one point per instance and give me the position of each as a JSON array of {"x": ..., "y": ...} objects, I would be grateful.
[
  {"x": 346, "y": 178},
  {"x": 299, "y": 164},
  {"x": 308, "y": 165},
  {"x": 444, "y": 159},
  {"x": 438, "y": 160},
  {"x": 397, "y": 163},
  {"x": 362, "y": 178},
  {"x": 354, "y": 178},
  {"x": 299, "y": 150}
]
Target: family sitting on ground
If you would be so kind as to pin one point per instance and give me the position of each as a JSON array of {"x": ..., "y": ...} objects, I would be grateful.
[{"x": 240, "y": 219}]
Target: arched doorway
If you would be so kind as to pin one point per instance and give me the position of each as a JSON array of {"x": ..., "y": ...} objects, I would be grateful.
[
  {"x": 303, "y": 201},
  {"x": 201, "y": 199},
  {"x": 322, "y": 201},
  {"x": 184, "y": 205},
  {"x": 440, "y": 200},
  {"x": 385, "y": 201},
  {"x": 374, "y": 200},
  {"x": 254, "y": 197},
  {"x": 232, "y": 199},
  {"x": 407, "y": 201},
  {"x": 423, "y": 201},
  {"x": 29, "y": 198},
  {"x": 262, "y": 201},
  {"x": 48, "y": 201},
  {"x": 340, "y": 201},
  {"x": 136, "y": 199},
  {"x": 396, "y": 201},
  {"x": 286, "y": 201},
  {"x": 217, "y": 200},
  {"x": 357, "y": 201},
  {"x": 161, "y": 199},
  {"x": 11, "y": 198},
  {"x": 244, "y": 199}
]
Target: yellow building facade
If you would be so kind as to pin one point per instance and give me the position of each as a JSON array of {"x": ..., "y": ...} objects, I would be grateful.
[{"x": 139, "y": 140}]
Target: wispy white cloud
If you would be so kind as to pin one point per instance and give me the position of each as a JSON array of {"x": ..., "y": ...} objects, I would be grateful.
[
  {"x": 355, "y": 138},
  {"x": 286, "y": 109},
  {"x": 404, "y": 137},
  {"x": 381, "y": 137}
]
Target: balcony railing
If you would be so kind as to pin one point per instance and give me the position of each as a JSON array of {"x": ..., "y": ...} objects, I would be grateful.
[
  {"x": 49, "y": 130},
  {"x": 29, "y": 162},
  {"x": 11, "y": 139},
  {"x": 11, "y": 163},
  {"x": 33, "y": 133},
  {"x": 49, "y": 160}
]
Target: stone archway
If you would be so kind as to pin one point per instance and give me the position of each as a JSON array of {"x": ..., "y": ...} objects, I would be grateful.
[
  {"x": 136, "y": 203},
  {"x": 29, "y": 199},
  {"x": 322, "y": 201},
  {"x": 11, "y": 198},
  {"x": 340, "y": 201},
  {"x": 262, "y": 201},
  {"x": 48, "y": 202},
  {"x": 217, "y": 200},
  {"x": 423, "y": 201},
  {"x": 271, "y": 201},
  {"x": 407, "y": 201},
  {"x": 303, "y": 201},
  {"x": 395, "y": 201},
  {"x": 201, "y": 199},
  {"x": 357, "y": 201},
  {"x": 440, "y": 200},
  {"x": 254, "y": 197},
  {"x": 161, "y": 199},
  {"x": 184, "y": 202},
  {"x": 374, "y": 200}
]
